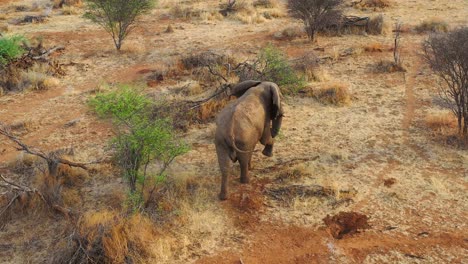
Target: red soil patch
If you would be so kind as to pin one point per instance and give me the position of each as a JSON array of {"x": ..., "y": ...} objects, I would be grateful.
[
  {"x": 345, "y": 223},
  {"x": 389, "y": 182}
]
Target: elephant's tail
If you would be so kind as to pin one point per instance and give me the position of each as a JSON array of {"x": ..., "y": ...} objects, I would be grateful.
[
  {"x": 236, "y": 148},
  {"x": 233, "y": 139}
]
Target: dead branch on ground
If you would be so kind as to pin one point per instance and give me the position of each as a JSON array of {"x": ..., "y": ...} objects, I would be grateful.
[{"x": 52, "y": 159}]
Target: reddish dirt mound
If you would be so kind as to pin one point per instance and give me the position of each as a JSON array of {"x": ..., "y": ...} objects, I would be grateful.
[
  {"x": 389, "y": 182},
  {"x": 345, "y": 223}
]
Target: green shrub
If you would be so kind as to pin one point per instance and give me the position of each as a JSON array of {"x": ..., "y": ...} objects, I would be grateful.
[
  {"x": 271, "y": 65},
  {"x": 140, "y": 139},
  {"x": 10, "y": 48}
]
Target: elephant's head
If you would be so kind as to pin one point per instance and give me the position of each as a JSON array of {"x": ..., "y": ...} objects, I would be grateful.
[{"x": 274, "y": 93}]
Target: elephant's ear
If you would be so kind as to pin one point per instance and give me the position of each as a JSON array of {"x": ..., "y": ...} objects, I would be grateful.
[
  {"x": 276, "y": 109},
  {"x": 239, "y": 89}
]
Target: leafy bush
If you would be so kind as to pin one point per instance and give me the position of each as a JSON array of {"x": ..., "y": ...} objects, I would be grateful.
[
  {"x": 10, "y": 48},
  {"x": 139, "y": 140},
  {"x": 117, "y": 17},
  {"x": 271, "y": 65}
]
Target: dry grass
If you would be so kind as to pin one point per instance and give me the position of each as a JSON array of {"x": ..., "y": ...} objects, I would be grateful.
[
  {"x": 376, "y": 47},
  {"x": 209, "y": 110},
  {"x": 432, "y": 25},
  {"x": 289, "y": 33},
  {"x": 309, "y": 68},
  {"x": 441, "y": 123},
  {"x": 376, "y": 3},
  {"x": 38, "y": 80},
  {"x": 266, "y": 3},
  {"x": 333, "y": 93},
  {"x": 111, "y": 237},
  {"x": 387, "y": 66},
  {"x": 71, "y": 10},
  {"x": 63, "y": 3},
  {"x": 377, "y": 25}
]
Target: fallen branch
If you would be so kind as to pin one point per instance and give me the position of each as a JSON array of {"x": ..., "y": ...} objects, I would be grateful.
[
  {"x": 51, "y": 159},
  {"x": 46, "y": 54}
]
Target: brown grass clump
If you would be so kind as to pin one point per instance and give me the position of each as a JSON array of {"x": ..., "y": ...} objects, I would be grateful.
[
  {"x": 209, "y": 110},
  {"x": 387, "y": 66},
  {"x": 109, "y": 237},
  {"x": 308, "y": 66},
  {"x": 376, "y": 3},
  {"x": 432, "y": 25},
  {"x": 442, "y": 123},
  {"x": 333, "y": 93},
  {"x": 63, "y": 3},
  {"x": 375, "y": 47},
  {"x": 289, "y": 33},
  {"x": 266, "y": 3},
  {"x": 376, "y": 25}
]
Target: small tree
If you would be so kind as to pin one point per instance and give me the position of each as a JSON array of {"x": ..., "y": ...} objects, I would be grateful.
[
  {"x": 315, "y": 13},
  {"x": 139, "y": 140},
  {"x": 118, "y": 17},
  {"x": 447, "y": 55}
]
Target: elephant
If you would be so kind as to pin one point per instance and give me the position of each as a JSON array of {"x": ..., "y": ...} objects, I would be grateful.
[{"x": 256, "y": 115}]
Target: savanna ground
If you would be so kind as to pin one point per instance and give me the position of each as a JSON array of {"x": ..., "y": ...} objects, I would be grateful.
[{"x": 381, "y": 154}]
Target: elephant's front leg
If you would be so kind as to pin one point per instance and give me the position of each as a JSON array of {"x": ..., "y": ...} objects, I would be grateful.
[
  {"x": 267, "y": 140},
  {"x": 244, "y": 161}
]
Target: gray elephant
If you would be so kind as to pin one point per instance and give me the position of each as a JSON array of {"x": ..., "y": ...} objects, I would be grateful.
[{"x": 255, "y": 116}]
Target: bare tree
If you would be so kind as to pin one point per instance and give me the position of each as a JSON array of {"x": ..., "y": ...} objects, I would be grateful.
[
  {"x": 315, "y": 13},
  {"x": 447, "y": 55}
]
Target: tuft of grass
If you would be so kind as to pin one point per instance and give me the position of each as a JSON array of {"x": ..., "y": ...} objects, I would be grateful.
[
  {"x": 333, "y": 93},
  {"x": 388, "y": 66},
  {"x": 37, "y": 78},
  {"x": 266, "y": 3},
  {"x": 376, "y": 25},
  {"x": 432, "y": 25},
  {"x": 70, "y": 10},
  {"x": 112, "y": 238},
  {"x": 376, "y": 3},
  {"x": 441, "y": 122},
  {"x": 289, "y": 33},
  {"x": 375, "y": 47}
]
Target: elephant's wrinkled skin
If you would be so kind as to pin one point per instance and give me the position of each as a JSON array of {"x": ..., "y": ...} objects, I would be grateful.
[{"x": 255, "y": 116}]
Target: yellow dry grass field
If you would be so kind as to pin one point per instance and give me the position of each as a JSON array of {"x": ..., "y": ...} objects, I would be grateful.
[{"x": 385, "y": 148}]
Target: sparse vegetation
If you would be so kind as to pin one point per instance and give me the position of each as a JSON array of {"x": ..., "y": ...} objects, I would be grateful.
[
  {"x": 289, "y": 33},
  {"x": 447, "y": 55},
  {"x": 441, "y": 123},
  {"x": 117, "y": 17},
  {"x": 333, "y": 93},
  {"x": 376, "y": 25},
  {"x": 315, "y": 14},
  {"x": 139, "y": 140},
  {"x": 375, "y": 3},
  {"x": 432, "y": 25}
]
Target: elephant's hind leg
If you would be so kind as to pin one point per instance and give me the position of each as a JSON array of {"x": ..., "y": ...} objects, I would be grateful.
[
  {"x": 244, "y": 161},
  {"x": 224, "y": 162}
]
